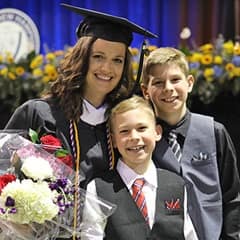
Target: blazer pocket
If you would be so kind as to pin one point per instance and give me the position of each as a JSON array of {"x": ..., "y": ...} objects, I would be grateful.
[
  {"x": 173, "y": 211},
  {"x": 202, "y": 158},
  {"x": 173, "y": 207}
]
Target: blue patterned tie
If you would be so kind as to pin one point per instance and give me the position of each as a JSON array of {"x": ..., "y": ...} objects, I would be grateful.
[{"x": 172, "y": 140}]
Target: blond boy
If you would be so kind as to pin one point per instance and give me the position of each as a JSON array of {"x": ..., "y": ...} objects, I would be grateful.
[{"x": 134, "y": 133}]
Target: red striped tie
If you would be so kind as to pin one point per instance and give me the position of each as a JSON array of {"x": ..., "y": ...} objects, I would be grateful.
[{"x": 139, "y": 197}]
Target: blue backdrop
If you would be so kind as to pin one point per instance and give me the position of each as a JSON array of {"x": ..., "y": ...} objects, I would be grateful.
[{"x": 57, "y": 25}]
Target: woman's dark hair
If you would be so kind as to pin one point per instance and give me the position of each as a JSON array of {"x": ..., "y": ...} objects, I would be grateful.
[{"x": 68, "y": 88}]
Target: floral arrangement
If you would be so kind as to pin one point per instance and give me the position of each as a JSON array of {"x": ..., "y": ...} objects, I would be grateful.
[
  {"x": 28, "y": 77},
  {"x": 215, "y": 66},
  {"x": 37, "y": 194}
]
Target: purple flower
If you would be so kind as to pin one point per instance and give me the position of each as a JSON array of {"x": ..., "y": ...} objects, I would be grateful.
[
  {"x": 53, "y": 186},
  {"x": 62, "y": 182},
  {"x": 217, "y": 70},
  {"x": 13, "y": 210},
  {"x": 10, "y": 202},
  {"x": 194, "y": 65},
  {"x": 236, "y": 61},
  {"x": 2, "y": 211},
  {"x": 2, "y": 66},
  {"x": 60, "y": 197}
]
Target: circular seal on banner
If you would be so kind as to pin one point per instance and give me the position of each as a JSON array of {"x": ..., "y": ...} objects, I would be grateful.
[{"x": 18, "y": 33}]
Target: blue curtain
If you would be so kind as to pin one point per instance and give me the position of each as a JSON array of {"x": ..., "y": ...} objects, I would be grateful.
[
  {"x": 165, "y": 18},
  {"x": 57, "y": 25}
]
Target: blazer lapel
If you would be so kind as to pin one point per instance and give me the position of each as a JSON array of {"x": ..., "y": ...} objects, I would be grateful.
[{"x": 164, "y": 157}]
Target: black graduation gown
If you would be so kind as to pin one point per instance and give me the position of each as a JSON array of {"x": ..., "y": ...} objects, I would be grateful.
[{"x": 47, "y": 117}]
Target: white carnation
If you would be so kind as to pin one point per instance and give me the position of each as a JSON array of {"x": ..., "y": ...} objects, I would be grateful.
[{"x": 37, "y": 168}]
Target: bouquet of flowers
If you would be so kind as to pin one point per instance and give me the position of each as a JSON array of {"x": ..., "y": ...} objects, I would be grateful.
[{"x": 38, "y": 194}]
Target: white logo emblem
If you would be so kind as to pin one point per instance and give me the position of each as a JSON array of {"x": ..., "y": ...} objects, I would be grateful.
[{"x": 18, "y": 33}]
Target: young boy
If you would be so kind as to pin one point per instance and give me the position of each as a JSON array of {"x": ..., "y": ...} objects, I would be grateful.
[
  {"x": 134, "y": 134},
  {"x": 203, "y": 153}
]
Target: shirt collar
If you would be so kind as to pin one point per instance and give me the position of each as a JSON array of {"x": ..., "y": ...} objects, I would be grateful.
[
  {"x": 93, "y": 115},
  {"x": 180, "y": 128},
  {"x": 129, "y": 176}
]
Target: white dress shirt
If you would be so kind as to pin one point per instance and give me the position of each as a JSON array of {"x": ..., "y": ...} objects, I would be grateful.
[{"x": 149, "y": 189}]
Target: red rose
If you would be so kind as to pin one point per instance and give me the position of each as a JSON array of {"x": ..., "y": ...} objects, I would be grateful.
[
  {"x": 5, "y": 179},
  {"x": 50, "y": 140},
  {"x": 51, "y": 143},
  {"x": 66, "y": 160}
]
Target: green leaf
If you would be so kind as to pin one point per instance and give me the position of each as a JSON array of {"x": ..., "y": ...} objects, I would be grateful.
[
  {"x": 33, "y": 135},
  {"x": 61, "y": 153}
]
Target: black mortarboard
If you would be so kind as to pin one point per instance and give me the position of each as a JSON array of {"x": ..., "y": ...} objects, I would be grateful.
[
  {"x": 106, "y": 26},
  {"x": 111, "y": 28}
]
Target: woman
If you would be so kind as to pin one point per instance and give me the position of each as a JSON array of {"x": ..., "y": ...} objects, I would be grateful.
[{"x": 94, "y": 75}]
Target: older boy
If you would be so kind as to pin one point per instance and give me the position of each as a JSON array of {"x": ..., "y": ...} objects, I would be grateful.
[
  {"x": 202, "y": 151},
  {"x": 162, "y": 213}
]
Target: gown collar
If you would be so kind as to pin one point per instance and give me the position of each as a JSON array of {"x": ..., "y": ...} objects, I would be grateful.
[{"x": 92, "y": 115}]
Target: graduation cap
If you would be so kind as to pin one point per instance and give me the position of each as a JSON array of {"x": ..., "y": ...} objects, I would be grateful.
[{"x": 111, "y": 28}]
